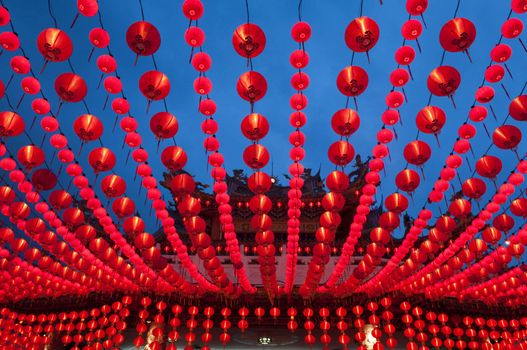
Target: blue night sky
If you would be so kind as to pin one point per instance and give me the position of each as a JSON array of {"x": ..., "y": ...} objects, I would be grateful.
[{"x": 328, "y": 55}]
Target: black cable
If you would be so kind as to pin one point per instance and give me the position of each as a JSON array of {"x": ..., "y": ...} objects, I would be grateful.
[
  {"x": 247, "y": 11},
  {"x": 142, "y": 10},
  {"x": 361, "y": 6},
  {"x": 50, "y": 9},
  {"x": 300, "y": 10},
  {"x": 457, "y": 8}
]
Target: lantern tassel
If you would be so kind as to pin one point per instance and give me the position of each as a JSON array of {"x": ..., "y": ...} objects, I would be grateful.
[
  {"x": 100, "y": 81},
  {"x": 410, "y": 71},
  {"x": 422, "y": 172},
  {"x": 418, "y": 45},
  {"x": 493, "y": 113},
  {"x": 136, "y": 59},
  {"x": 486, "y": 130},
  {"x": 58, "y": 110},
  {"x": 33, "y": 122},
  {"x": 508, "y": 70},
  {"x": 105, "y": 102},
  {"x": 468, "y": 164},
  {"x": 20, "y": 101},
  {"x": 91, "y": 53},
  {"x": 437, "y": 139},
  {"x": 191, "y": 55},
  {"x": 523, "y": 45},
  {"x": 115, "y": 122},
  {"x": 355, "y": 102},
  {"x": 74, "y": 20},
  {"x": 43, "y": 66},
  {"x": 505, "y": 90},
  {"x": 395, "y": 134},
  {"x": 43, "y": 139},
  {"x": 423, "y": 19},
  {"x": 459, "y": 179},
  {"x": 80, "y": 149},
  {"x": 368, "y": 56},
  {"x": 9, "y": 81},
  {"x": 127, "y": 157},
  {"x": 400, "y": 119},
  {"x": 495, "y": 184},
  {"x": 468, "y": 55},
  {"x": 453, "y": 102},
  {"x": 148, "y": 106},
  {"x": 405, "y": 96},
  {"x": 517, "y": 155}
]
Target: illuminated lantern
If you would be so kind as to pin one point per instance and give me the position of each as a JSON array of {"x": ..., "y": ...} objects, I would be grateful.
[
  {"x": 193, "y": 9},
  {"x": 457, "y": 35},
  {"x": 396, "y": 203},
  {"x": 412, "y": 29},
  {"x": 430, "y": 120},
  {"x": 106, "y": 64},
  {"x": 489, "y": 166},
  {"x": 113, "y": 186},
  {"x": 60, "y": 199},
  {"x": 154, "y": 85},
  {"x": 43, "y": 179},
  {"x": 123, "y": 207},
  {"x": 407, "y": 180},
  {"x": 345, "y": 122},
  {"x": 484, "y": 94},
  {"x": 405, "y": 55},
  {"x": 182, "y": 184},
  {"x": 70, "y": 87},
  {"x": 301, "y": 32},
  {"x": 259, "y": 182},
  {"x": 7, "y": 195},
  {"x": 19, "y": 210},
  {"x": 144, "y": 241},
  {"x": 362, "y": 34},
  {"x": 254, "y": 126},
  {"x": 518, "y": 108},
  {"x": 9, "y": 41},
  {"x": 506, "y": 137},
  {"x": 251, "y": 86},
  {"x": 73, "y": 217},
  {"x": 389, "y": 221},
  {"x": 491, "y": 235},
  {"x": 341, "y": 153},
  {"x": 460, "y": 208},
  {"x": 143, "y": 38},
  {"x": 443, "y": 81},
  {"x": 501, "y": 53},
  {"x": 519, "y": 6},
  {"x": 417, "y": 152},
  {"x": 194, "y": 36},
  {"x": 201, "y": 62},
  {"x": 55, "y": 45},
  {"x": 256, "y": 156},
  {"x": 133, "y": 225},
  {"x": 503, "y": 222},
  {"x": 11, "y": 124},
  {"x": 248, "y": 40},
  {"x": 512, "y": 28},
  {"x": 399, "y": 77},
  {"x": 352, "y": 81},
  {"x": 99, "y": 38},
  {"x": 519, "y": 207},
  {"x": 474, "y": 188},
  {"x": 5, "y": 16},
  {"x": 164, "y": 125},
  {"x": 299, "y": 59},
  {"x": 416, "y": 7},
  {"x": 88, "y": 127},
  {"x": 174, "y": 158},
  {"x": 101, "y": 159},
  {"x": 31, "y": 156}
]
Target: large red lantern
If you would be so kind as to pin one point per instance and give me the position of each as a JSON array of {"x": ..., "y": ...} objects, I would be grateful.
[
  {"x": 31, "y": 156},
  {"x": 352, "y": 81},
  {"x": 174, "y": 158},
  {"x": 154, "y": 85},
  {"x": 164, "y": 125},
  {"x": 474, "y": 188},
  {"x": 123, "y": 207},
  {"x": 248, "y": 40},
  {"x": 113, "y": 186},
  {"x": 430, "y": 120},
  {"x": 70, "y": 87},
  {"x": 11, "y": 124},
  {"x": 457, "y": 35},
  {"x": 254, "y": 126},
  {"x": 407, "y": 180},
  {"x": 60, "y": 199},
  {"x": 519, "y": 207},
  {"x": 443, "y": 81},
  {"x": 55, "y": 45},
  {"x": 460, "y": 208},
  {"x": 143, "y": 38},
  {"x": 256, "y": 156},
  {"x": 396, "y": 202},
  {"x": 101, "y": 159},
  {"x": 489, "y": 166},
  {"x": 362, "y": 34},
  {"x": 251, "y": 86},
  {"x": 43, "y": 179},
  {"x": 341, "y": 153},
  {"x": 88, "y": 127},
  {"x": 518, "y": 108},
  {"x": 417, "y": 152},
  {"x": 345, "y": 122},
  {"x": 507, "y": 137}
]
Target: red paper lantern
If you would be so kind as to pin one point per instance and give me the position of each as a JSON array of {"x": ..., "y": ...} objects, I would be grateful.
[
  {"x": 254, "y": 126},
  {"x": 251, "y": 86},
  {"x": 101, "y": 159},
  {"x": 443, "y": 81},
  {"x": 31, "y": 156},
  {"x": 430, "y": 120},
  {"x": 362, "y": 34},
  {"x": 174, "y": 158},
  {"x": 457, "y": 35},
  {"x": 143, "y": 38},
  {"x": 11, "y": 124},
  {"x": 506, "y": 137},
  {"x": 407, "y": 180},
  {"x": 518, "y": 108},
  {"x": 70, "y": 87},
  {"x": 164, "y": 125},
  {"x": 489, "y": 166},
  {"x": 54, "y": 44},
  {"x": 417, "y": 152},
  {"x": 352, "y": 81},
  {"x": 248, "y": 40},
  {"x": 88, "y": 127},
  {"x": 154, "y": 85},
  {"x": 345, "y": 122},
  {"x": 474, "y": 188}
]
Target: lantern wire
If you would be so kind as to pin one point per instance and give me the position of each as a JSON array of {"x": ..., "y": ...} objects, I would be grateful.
[
  {"x": 361, "y": 6},
  {"x": 50, "y": 9},
  {"x": 247, "y": 11},
  {"x": 457, "y": 8},
  {"x": 142, "y": 10},
  {"x": 300, "y": 10}
]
